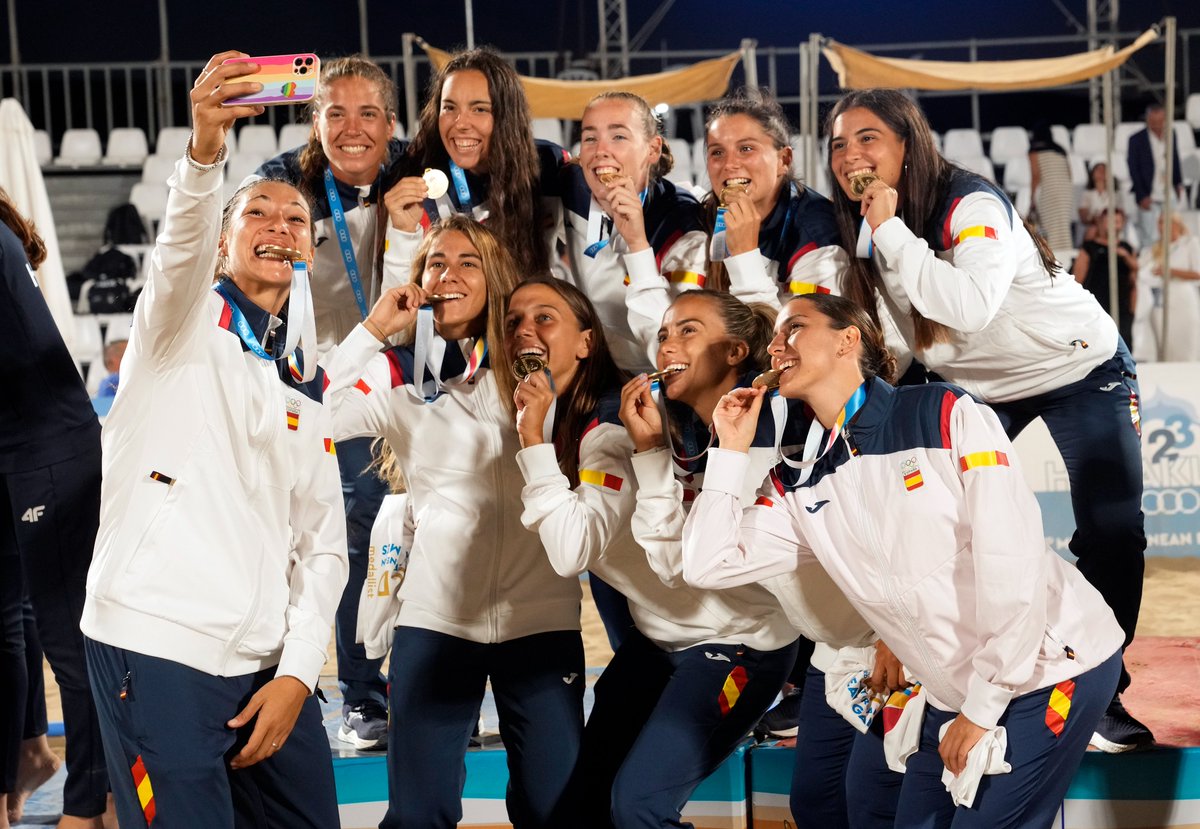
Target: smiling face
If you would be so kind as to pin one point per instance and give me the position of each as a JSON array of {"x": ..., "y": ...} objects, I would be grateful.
[
  {"x": 862, "y": 142},
  {"x": 741, "y": 152},
  {"x": 465, "y": 119},
  {"x": 805, "y": 348},
  {"x": 354, "y": 128},
  {"x": 693, "y": 337},
  {"x": 541, "y": 323},
  {"x": 454, "y": 269},
  {"x": 266, "y": 213},
  {"x": 612, "y": 142}
]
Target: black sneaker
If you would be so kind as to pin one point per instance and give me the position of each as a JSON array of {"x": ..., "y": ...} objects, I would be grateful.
[
  {"x": 1119, "y": 731},
  {"x": 784, "y": 719},
  {"x": 364, "y": 726}
]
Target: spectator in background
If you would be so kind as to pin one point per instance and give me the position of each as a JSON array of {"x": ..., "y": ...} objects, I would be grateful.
[
  {"x": 113, "y": 352},
  {"x": 1091, "y": 270},
  {"x": 1146, "y": 156},
  {"x": 1180, "y": 297},
  {"x": 1053, "y": 194},
  {"x": 50, "y": 492},
  {"x": 1094, "y": 199}
]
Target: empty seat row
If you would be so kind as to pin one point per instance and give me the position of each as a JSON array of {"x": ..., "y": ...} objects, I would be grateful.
[{"x": 128, "y": 147}]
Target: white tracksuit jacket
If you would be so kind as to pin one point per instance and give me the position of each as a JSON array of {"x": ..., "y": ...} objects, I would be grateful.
[
  {"x": 921, "y": 516},
  {"x": 222, "y": 541},
  {"x": 473, "y": 571},
  {"x": 588, "y": 529},
  {"x": 1016, "y": 330}
]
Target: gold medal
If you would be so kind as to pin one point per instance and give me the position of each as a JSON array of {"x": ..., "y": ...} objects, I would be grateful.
[
  {"x": 528, "y": 364},
  {"x": 768, "y": 380},
  {"x": 278, "y": 252},
  {"x": 661, "y": 373},
  {"x": 859, "y": 182}
]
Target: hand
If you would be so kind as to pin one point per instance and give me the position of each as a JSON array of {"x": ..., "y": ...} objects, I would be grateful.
[
  {"x": 961, "y": 737},
  {"x": 888, "y": 675},
  {"x": 742, "y": 223},
  {"x": 395, "y": 310},
  {"x": 736, "y": 418},
  {"x": 276, "y": 705},
  {"x": 533, "y": 397},
  {"x": 1145, "y": 203},
  {"x": 403, "y": 202},
  {"x": 625, "y": 207},
  {"x": 878, "y": 203},
  {"x": 640, "y": 415},
  {"x": 211, "y": 121}
]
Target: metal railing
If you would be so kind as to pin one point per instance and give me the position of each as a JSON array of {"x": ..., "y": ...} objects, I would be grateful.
[{"x": 154, "y": 94}]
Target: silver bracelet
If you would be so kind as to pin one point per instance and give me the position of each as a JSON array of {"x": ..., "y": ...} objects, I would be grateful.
[{"x": 196, "y": 165}]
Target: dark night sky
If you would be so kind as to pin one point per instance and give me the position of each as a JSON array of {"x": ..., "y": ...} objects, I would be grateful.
[{"x": 72, "y": 31}]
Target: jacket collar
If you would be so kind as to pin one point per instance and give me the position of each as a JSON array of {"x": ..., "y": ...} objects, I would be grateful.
[
  {"x": 881, "y": 397},
  {"x": 261, "y": 322}
]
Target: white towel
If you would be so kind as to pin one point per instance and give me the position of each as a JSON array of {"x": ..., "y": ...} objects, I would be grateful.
[
  {"x": 846, "y": 689},
  {"x": 902, "y": 739},
  {"x": 986, "y": 757}
]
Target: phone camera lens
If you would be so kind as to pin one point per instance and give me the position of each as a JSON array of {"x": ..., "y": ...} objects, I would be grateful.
[
  {"x": 303, "y": 70},
  {"x": 308, "y": 61},
  {"x": 297, "y": 61}
]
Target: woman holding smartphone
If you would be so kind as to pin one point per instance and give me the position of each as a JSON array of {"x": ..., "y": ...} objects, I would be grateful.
[
  {"x": 221, "y": 551},
  {"x": 479, "y": 600},
  {"x": 349, "y": 162},
  {"x": 770, "y": 236},
  {"x": 911, "y": 500},
  {"x": 980, "y": 301},
  {"x": 701, "y": 666}
]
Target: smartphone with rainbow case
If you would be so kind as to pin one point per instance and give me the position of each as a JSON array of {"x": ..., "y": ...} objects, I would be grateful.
[{"x": 286, "y": 79}]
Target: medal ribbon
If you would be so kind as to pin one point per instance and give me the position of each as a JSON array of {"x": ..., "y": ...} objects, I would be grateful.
[
  {"x": 429, "y": 390},
  {"x": 343, "y": 237},
  {"x": 816, "y": 444},
  {"x": 865, "y": 246}
]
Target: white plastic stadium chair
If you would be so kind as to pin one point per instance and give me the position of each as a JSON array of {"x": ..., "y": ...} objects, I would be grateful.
[
  {"x": 548, "y": 129},
  {"x": 172, "y": 141},
  {"x": 259, "y": 139},
  {"x": 127, "y": 147},
  {"x": 150, "y": 199},
  {"x": 1017, "y": 174},
  {"x": 293, "y": 135},
  {"x": 1009, "y": 143},
  {"x": 959, "y": 144},
  {"x": 158, "y": 168},
  {"x": 80, "y": 148},
  {"x": 1088, "y": 140},
  {"x": 41, "y": 147}
]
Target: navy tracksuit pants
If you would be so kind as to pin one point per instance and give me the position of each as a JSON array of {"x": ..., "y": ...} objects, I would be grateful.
[
  {"x": 437, "y": 683},
  {"x": 1094, "y": 425},
  {"x": 1043, "y": 761},
  {"x": 48, "y": 522},
  {"x": 662, "y": 722},
  {"x": 841, "y": 779},
  {"x": 168, "y": 749}
]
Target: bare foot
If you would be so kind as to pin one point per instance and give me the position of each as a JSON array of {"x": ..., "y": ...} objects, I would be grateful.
[
  {"x": 4, "y": 811},
  {"x": 108, "y": 820},
  {"x": 37, "y": 765}
]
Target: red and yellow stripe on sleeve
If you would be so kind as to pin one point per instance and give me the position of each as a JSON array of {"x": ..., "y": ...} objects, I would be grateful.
[
  {"x": 974, "y": 232},
  {"x": 595, "y": 477},
  {"x": 975, "y": 460}
]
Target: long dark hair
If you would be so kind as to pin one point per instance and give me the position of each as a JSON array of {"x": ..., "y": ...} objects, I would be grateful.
[
  {"x": 875, "y": 360},
  {"x": 924, "y": 178},
  {"x": 35, "y": 248},
  {"x": 516, "y": 214},
  {"x": 761, "y": 106},
  {"x": 596, "y": 376}
]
